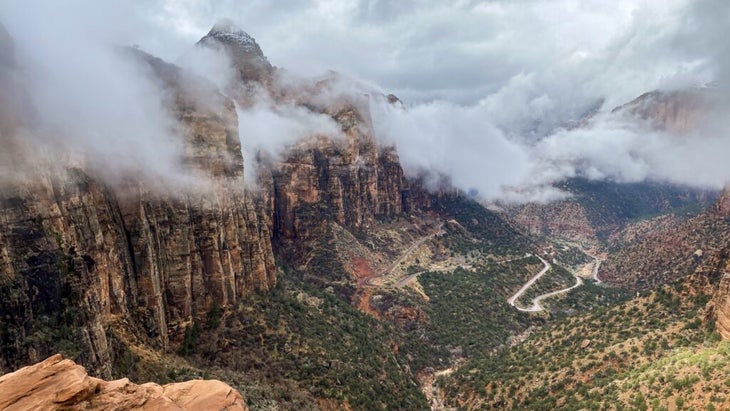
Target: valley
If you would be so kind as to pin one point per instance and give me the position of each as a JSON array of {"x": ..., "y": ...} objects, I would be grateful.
[{"x": 288, "y": 253}]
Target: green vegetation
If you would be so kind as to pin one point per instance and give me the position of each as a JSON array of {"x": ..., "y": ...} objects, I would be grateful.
[
  {"x": 610, "y": 205},
  {"x": 589, "y": 296},
  {"x": 485, "y": 230},
  {"x": 299, "y": 344},
  {"x": 47, "y": 320},
  {"x": 556, "y": 278},
  {"x": 598, "y": 361},
  {"x": 469, "y": 310}
]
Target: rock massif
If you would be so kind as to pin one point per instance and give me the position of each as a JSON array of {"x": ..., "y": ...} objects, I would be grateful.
[
  {"x": 244, "y": 52},
  {"x": 80, "y": 255},
  {"x": 349, "y": 180},
  {"x": 90, "y": 264},
  {"x": 677, "y": 112},
  {"x": 61, "y": 384}
]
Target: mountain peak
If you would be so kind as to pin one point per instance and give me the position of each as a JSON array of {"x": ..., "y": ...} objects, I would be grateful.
[
  {"x": 240, "y": 46},
  {"x": 225, "y": 25},
  {"x": 226, "y": 30}
]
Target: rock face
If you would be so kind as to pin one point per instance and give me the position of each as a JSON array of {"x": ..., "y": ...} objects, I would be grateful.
[
  {"x": 61, "y": 384},
  {"x": 677, "y": 112},
  {"x": 87, "y": 262},
  {"x": 349, "y": 180},
  {"x": 78, "y": 254},
  {"x": 563, "y": 219}
]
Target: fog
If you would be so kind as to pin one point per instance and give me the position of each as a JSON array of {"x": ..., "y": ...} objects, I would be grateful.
[
  {"x": 267, "y": 130},
  {"x": 92, "y": 105},
  {"x": 492, "y": 90}
]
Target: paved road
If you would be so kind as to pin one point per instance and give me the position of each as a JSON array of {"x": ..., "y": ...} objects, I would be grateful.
[
  {"x": 536, "y": 306},
  {"x": 536, "y": 301},
  {"x": 527, "y": 285}
]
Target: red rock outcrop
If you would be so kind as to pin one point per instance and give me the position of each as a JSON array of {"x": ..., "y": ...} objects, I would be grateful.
[
  {"x": 349, "y": 180},
  {"x": 61, "y": 384}
]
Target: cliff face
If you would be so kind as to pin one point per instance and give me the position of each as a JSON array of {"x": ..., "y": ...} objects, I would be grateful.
[
  {"x": 348, "y": 180},
  {"x": 677, "y": 112},
  {"x": 564, "y": 219},
  {"x": 81, "y": 257},
  {"x": 87, "y": 262}
]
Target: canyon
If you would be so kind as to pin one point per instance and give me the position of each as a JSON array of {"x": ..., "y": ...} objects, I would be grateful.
[{"x": 322, "y": 275}]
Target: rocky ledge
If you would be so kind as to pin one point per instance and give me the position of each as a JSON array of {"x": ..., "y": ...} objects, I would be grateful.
[{"x": 59, "y": 383}]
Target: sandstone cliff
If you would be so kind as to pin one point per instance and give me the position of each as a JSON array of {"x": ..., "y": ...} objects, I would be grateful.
[
  {"x": 349, "y": 180},
  {"x": 678, "y": 112},
  {"x": 89, "y": 264},
  {"x": 60, "y": 384},
  {"x": 79, "y": 254}
]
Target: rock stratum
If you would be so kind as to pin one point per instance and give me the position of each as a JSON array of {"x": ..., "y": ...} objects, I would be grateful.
[{"x": 60, "y": 384}]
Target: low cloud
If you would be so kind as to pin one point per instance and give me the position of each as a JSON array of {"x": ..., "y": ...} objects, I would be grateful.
[
  {"x": 267, "y": 130},
  {"x": 92, "y": 104},
  {"x": 492, "y": 88},
  {"x": 483, "y": 161}
]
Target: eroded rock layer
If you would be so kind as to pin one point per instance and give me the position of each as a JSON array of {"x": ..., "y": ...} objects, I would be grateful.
[{"x": 61, "y": 384}]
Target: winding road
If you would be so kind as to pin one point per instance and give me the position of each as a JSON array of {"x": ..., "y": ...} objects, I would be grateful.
[{"x": 536, "y": 306}]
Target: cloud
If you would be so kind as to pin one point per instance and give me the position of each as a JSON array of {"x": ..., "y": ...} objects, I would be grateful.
[
  {"x": 483, "y": 160},
  {"x": 92, "y": 104},
  {"x": 268, "y": 130},
  {"x": 624, "y": 150},
  {"x": 489, "y": 86}
]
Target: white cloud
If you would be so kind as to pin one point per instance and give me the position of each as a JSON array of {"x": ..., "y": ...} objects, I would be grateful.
[
  {"x": 269, "y": 130},
  {"x": 488, "y": 85},
  {"x": 92, "y": 104},
  {"x": 456, "y": 141}
]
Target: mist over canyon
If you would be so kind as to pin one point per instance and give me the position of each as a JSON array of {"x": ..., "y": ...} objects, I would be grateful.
[
  {"x": 364, "y": 205},
  {"x": 544, "y": 113}
]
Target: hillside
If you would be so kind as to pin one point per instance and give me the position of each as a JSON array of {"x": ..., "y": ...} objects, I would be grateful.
[{"x": 653, "y": 352}]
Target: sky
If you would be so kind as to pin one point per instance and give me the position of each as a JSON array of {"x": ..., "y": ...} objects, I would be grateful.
[{"x": 488, "y": 86}]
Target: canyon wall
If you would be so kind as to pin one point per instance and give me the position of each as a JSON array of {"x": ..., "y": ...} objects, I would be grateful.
[
  {"x": 81, "y": 257},
  {"x": 89, "y": 262}
]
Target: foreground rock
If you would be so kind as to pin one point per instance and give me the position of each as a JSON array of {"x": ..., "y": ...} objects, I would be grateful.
[{"x": 59, "y": 383}]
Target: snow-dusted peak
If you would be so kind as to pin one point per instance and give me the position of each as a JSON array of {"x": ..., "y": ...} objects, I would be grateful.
[
  {"x": 227, "y": 31},
  {"x": 245, "y": 54}
]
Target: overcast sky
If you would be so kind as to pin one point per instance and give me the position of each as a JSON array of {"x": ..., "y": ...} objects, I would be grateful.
[
  {"x": 487, "y": 84},
  {"x": 462, "y": 51}
]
